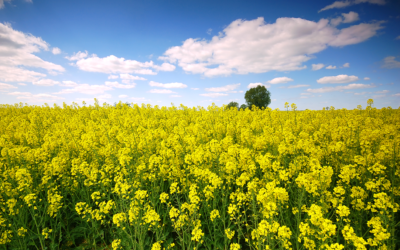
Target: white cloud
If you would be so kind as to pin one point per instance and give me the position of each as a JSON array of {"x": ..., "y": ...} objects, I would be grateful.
[
  {"x": 342, "y": 4},
  {"x": 366, "y": 78},
  {"x": 77, "y": 56},
  {"x": 168, "y": 85},
  {"x": 161, "y": 91},
  {"x": 361, "y": 93},
  {"x": 112, "y": 77},
  {"x": 86, "y": 89},
  {"x": 255, "y": 47},
  {"x": 317, "y": 66},
  {"x": 305, "y": 94},
  {"x": 195, "y": 88},
  {"x": 22, "y": 84},
  {"x": 140, "y": 99},
  {"x": 382, "y": 92},
  {"x": 398, "y": 94},
  {"x": 346, "y": 65},
  {"x": 214, "y": 94},
  {"x": 56, "y": 51},
  {"x": 3, "y": 1},
  {"x": 224, "y": 88},
  {"x": 254, "y": 85},
  {"x": 16, "y": 49},
  {"x": 175, "y": 96},
  {"x": 5, "y": 86},
  {"x": 390, "y": 63},
  {"x": 298, "y": 86},
  {"x": 341, "y": 88},
  {"x": 131, "y": 77},
  {"x": 68, "y": 84},
  {"x": 350, "y": 17},
  {"x": 37, "y": 98},
  {"x": 337, "y": 79},
  {"x": 331, "y": 67},
  {"x": 278, "y": 80},
  {"x": 45, "y": 82},
  {"x": 113, "y": 64},
  {"x": 336, "y": 21},
  {"x": 122, "y": 96},
  {"x": 120, "y": 86}
]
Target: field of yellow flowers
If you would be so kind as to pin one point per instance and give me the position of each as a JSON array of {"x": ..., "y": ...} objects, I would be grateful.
[{"x": 185, "y": 178}]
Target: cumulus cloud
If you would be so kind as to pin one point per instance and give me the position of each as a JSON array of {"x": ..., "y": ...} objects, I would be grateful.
[
  {"x": 45, "y": 82},
  {"x": 16, "y": 49},
  {"x": 348, "y": 18},
  {"x": 5, "y": 86},
  {"x": 68, "y": 84},
  {"x": 56, "y": 51},
  {"x": 3, "y": 1},
  {"x": 214, "y": 94},
  {"x": 382, "y": 92},
  {"x": 390, "y": 63},
  {"x": 224, "y": 88},
  {"x": 298, "y": 86},
  {"x": 255, "y": 47},
  {"x": 346, "y": 65},
  {"x": 331, "y": 67},
  {"x": 161, "y": 91},
  {"x": 317, "y": 66},
  {"x": 120, "y": 86},
  {"x": 113, "y": 64},
  {"x": 112, "y": 77},
  {"x": 278, "y": 80},
  {"x": 341, "y": 88},
  {"x": 173, "y": 85},
  {"x": 254, "y": 85},
  {"x": 366, "y": 78},
  {"x": 36, "y": 98},
  {"x": 337, "y": 79},
  {"x": 85, "y": 89},
  {"x": 342, "y": 4}
]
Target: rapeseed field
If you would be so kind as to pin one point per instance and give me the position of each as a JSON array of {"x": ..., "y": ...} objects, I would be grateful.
[{"x": 185, "y": 178}]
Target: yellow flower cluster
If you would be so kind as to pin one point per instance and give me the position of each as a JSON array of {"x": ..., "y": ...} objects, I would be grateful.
[{"x": 291, "y": 179}]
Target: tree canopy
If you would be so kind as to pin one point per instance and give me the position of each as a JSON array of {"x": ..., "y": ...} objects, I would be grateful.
[
  {"x": 259, "y": 96},
  {"x": 232, "y": 104}
]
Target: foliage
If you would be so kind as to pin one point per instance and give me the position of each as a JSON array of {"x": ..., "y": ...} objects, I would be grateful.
[
  {"x": 259, "y": 96},
  {"x": 232, "y": 104}
]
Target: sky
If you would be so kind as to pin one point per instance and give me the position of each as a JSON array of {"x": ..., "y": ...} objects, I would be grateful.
[{"x": 315, "y": 54}]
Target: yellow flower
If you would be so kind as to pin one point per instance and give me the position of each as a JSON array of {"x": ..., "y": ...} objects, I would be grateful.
[
  {"x": 229, "y": 233},
  {"x": 46, "y": 231},
  {"x": 214, "y": 214},
  {"x": 22, "y": 231},
  {"x": 234, "y": 246},
  {"x": 164, "y": 197},
  {"x": 116, "y": 244}
]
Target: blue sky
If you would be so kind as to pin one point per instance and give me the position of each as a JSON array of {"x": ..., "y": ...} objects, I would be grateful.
[{"x": 311, "y": 53}]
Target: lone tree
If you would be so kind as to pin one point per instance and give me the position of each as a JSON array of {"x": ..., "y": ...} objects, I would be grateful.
[
  {"x": 259, "y": 96},
  {"x": 232, "y": 104}
]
